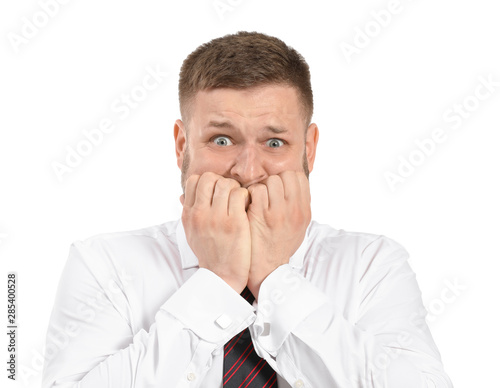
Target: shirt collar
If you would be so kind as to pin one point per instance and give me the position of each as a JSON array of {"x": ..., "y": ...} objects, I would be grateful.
[{"x": 189, "y": 259}]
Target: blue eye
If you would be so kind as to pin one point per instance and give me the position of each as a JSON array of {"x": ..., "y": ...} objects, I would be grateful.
[
  {"x": 222, "y": 141},
  {"x": 275, "y": 143}
]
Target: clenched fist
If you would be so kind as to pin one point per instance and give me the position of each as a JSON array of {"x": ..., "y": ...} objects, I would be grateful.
[
  {"x": 244, "y": 246},
  {"x": 217, "y": 227},
  {"x": 279, "y": 214}
]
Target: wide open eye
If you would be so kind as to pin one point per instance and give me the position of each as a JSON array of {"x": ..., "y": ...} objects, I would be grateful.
[
  {"x": 274, "y": 143},
  {"x": 222, "y": 141}
]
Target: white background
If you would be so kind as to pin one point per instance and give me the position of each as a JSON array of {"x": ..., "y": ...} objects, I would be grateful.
[{"x": 370, "y": 107}]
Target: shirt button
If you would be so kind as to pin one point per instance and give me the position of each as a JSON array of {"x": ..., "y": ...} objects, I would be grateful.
[
  {"x": 191, "y": 376},
  {"x": 298, "y": 384}
]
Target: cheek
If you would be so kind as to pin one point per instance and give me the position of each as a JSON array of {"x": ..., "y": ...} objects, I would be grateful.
[
  {"x": 218, "y": 163},
  {"x": 276, "y": 165}
]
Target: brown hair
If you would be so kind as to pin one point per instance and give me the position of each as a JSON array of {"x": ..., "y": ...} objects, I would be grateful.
[{"x": 244, "y": 60}]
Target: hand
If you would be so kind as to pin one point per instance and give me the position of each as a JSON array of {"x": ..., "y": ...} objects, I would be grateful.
[
  {"x": 217, "y": 227},
  {"x": 279, "y": 213}
]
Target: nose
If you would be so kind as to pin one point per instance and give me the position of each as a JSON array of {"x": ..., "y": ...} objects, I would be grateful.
[{"x": 248, "y": 167}]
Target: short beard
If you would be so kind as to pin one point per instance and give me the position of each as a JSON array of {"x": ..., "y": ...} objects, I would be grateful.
[
  {"x": 186, "y": 161},
  {"x": 305, "y": 164},
  {"x": 184, "y": 169}
]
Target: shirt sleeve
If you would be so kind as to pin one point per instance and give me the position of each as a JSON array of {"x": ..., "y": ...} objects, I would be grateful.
[
  {"x": 90, "y": 341},
  {"x": 311, "y": 344}
]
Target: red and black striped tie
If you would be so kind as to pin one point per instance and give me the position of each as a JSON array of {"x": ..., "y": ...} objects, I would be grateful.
[{"x": 243, "y": 368}]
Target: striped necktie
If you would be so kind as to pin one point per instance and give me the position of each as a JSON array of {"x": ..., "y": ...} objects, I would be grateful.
[{"x": 243, "y": 368}]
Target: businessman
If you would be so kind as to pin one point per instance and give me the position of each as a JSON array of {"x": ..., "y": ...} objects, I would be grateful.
[{"x": 245, "y": 290}]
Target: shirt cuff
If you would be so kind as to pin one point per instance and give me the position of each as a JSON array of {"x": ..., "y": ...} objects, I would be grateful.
[
  {"x": 286, "y": 298},
  {"x": 209, "y": 307}
]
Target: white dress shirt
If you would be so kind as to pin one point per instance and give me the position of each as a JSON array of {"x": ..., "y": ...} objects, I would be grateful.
[{"x": 133, "y": 309}]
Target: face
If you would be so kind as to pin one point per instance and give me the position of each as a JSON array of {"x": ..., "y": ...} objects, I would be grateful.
[{"x": 246, "y": 135}]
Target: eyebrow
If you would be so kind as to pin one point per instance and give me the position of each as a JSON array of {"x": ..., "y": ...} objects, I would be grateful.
[{"x": 229, "y": 125}]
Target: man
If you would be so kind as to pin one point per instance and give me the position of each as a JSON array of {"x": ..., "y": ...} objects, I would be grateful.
[{"x": 172, "y": 305}]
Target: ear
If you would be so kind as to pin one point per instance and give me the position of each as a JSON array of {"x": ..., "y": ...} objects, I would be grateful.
[
  {"x": 180, "y": 141},
  {"x": 312, "y": 137}
]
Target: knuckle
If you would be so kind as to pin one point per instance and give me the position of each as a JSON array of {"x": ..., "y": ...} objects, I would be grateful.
[
  {"x": 210, "y": 176},
  {"x": 222, "y": 184},
  {"x": 225, "y": 184},
  {"x": 205, "y": 179},
  {"x": 238, "y": 193},
  {"x": 273, "y": 180},
  {"x": 196, "y": 218},
  {"x": 227, "y": 226},
  {"x": 192, "y": 179},
  {"x": 287, "y": 174},
  {"x": 233, "y": 183},
  {"x": 279, "y": 219},
  {"x": 259, "y": 187}
]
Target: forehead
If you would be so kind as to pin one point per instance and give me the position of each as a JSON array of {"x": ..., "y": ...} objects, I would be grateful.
[{"x": 269, "y": 102}]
